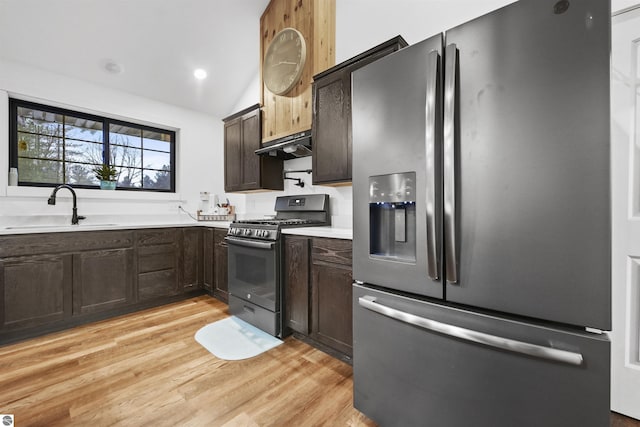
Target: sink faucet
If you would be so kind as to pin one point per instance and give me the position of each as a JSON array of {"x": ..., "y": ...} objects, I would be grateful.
[{"x": 52, "y": 201}]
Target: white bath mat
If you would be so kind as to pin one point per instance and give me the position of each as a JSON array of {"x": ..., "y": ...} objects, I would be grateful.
[{"x": 235, "y": 339}]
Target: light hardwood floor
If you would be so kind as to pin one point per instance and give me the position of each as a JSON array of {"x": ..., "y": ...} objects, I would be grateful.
[{"x": 146, "y": 369}]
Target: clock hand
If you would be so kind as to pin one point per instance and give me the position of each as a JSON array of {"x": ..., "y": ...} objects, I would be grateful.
[{"x": 286, "y": 63}]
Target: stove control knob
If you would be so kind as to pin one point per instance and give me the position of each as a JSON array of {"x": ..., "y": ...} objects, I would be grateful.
[
  {"x": 247, "y": 232},
  {"x": 231, "y": 230},
  {"x": 265, "y": 233}
]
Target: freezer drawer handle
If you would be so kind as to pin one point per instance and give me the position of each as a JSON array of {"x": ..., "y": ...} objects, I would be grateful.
[{"x": 534, "y": 350}]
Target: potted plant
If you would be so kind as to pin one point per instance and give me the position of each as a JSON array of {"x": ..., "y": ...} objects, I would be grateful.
[{"x": 107, "y": 175}]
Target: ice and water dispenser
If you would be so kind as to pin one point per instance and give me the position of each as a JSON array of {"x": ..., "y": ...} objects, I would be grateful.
[{"x": 392, "y": 217}]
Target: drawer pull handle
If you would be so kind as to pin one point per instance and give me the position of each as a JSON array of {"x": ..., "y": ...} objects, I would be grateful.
[{"x": 508, "y": 344}]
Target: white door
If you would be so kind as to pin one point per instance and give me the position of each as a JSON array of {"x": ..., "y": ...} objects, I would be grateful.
[{"x": 625, "y": 153}]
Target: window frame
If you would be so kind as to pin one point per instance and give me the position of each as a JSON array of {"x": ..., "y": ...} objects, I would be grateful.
[{"x": 15, "y": 103}]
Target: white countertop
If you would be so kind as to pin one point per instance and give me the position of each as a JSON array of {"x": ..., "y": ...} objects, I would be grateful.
[
  {"x": 61, "y": 225},
  {"x": 331, "y": 232}
]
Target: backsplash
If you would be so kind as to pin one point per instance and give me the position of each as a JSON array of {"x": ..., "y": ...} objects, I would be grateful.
[{"x": 260, "y": 204}]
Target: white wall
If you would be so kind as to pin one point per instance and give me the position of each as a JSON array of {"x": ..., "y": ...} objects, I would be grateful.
[
  {"x": 199, "y": 149},
  {"x": 360, "y": 25}
]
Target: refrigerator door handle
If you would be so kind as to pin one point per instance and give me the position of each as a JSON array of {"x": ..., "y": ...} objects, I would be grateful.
[
  {"x": 507, "y": 344},
  {"x": 449, "y": 138},
  {"x": 433, "y": 66}
]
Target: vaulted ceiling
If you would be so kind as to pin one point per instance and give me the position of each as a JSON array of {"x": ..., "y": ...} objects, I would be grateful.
[{"x": 154, "y": 44}]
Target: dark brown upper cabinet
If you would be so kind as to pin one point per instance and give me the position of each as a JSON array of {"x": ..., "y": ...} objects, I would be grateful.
[
  {"x": 243, "y": 169},
  {"x": 331, "y": 129}
]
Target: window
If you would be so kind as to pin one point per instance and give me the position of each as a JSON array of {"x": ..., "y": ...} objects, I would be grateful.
[{"x": 52, "y": 146}]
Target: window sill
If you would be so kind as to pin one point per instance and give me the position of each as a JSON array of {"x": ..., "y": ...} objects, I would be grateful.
[{"x": 44, "y": 192}]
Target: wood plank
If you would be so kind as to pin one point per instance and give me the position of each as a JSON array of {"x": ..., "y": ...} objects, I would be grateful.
[
  {"x": 146, "y": 369},
  {"x": 315, "y": 19}
]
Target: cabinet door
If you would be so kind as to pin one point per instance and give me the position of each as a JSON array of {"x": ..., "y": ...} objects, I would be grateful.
[
  {"x": 34, "y": 290},
  {"x": 221, "y": 289},
  {"x": 191, "y": 259},
  {"x": 208, "y": 259},
  {"x": 233, "y": 155},
  {"x": 331, "y": 306},
  {"x": 296, "y": 261},
  {"x": 102, "y": 280},
  {"x": 251, "y": 138},
  {"x": 331, "y": 124}
]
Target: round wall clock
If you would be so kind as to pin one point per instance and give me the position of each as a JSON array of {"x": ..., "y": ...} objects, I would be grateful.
[{"x": 284, "y": 61}]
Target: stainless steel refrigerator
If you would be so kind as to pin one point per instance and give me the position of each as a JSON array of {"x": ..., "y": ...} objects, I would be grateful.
[{"x": 481, "y": 223}]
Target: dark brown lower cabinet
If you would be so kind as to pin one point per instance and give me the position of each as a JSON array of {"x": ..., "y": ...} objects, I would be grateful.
[
  {"x": 318, "y": 290},
  {"x": 220, "y": 273},
  {"x": 157, "y": 271},
  {"x": 209, "y": 260},
  {"x": 191, "y": 271},
  {"x": 54, "y": 281},
  {"x": 296, "y": 283},
  {"x": 36, "y": 290},
  {"x": 157, "y": 263},
  {"x": 332, "y": 311},
  {"x": 102, "y": 280}
]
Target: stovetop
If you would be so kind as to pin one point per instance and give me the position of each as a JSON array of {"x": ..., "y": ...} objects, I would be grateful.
[
  {"x": 282, "y": 222},
  {"x": 291, "y": 211}
]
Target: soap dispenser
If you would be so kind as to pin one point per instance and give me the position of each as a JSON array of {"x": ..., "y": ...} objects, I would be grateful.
[{"x": 13, "y": 176}]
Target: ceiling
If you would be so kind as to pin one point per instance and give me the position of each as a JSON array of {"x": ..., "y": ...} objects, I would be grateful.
[{"x": 157, "y": 43}]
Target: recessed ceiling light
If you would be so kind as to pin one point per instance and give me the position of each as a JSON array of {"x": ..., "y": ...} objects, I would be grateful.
[
  {"x": 112, "y": 67},
  {"x": 200, "y": 74}
]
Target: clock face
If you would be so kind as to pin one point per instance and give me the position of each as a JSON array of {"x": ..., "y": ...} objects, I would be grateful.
[{"x": 284, "y": 61}]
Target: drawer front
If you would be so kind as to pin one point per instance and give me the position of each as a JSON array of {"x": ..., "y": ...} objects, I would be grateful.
[
  {"x": 154, "y": 258},
  {"x": 50, "y": 243},
  {"x": 451, "y": 380},
  {"x": 335, "y": 251},
  {"x": 157, "y": 284},
  {"x": 155, "y": 236}
]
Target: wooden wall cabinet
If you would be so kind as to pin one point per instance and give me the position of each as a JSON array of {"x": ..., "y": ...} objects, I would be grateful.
[
  {"x": 243, "y": 169},
  {"x": 331, "y": 130},
  {"x": 296, "y": 283}
]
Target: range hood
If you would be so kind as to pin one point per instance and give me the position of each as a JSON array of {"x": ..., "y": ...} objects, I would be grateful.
[{"x": 288, "y": 147}]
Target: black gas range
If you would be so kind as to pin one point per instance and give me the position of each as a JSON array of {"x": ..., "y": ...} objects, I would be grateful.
[{"x": 255, "y": 259}]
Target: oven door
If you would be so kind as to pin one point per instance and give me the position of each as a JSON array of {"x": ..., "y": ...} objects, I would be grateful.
[{"x": 254, "y": 272}]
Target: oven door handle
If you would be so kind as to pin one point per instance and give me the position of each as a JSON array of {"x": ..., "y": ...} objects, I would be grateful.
[{"x": 250, "y": 243}]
